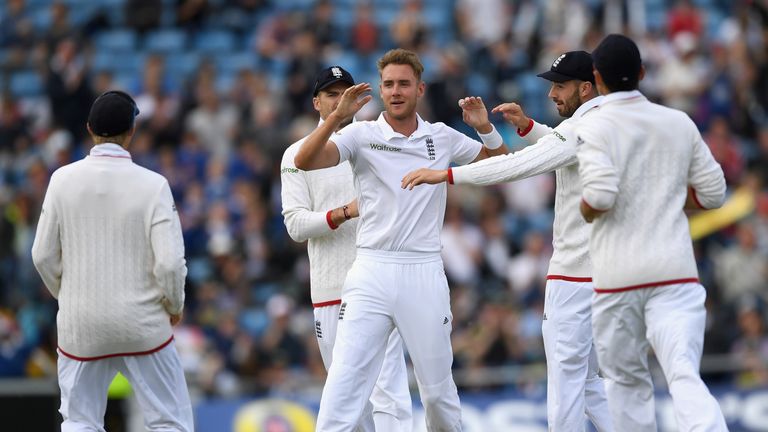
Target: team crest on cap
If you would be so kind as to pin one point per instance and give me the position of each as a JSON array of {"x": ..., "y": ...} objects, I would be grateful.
[
  {"x": 336, "y": 72},
  {"x": 558, "y": 60}
]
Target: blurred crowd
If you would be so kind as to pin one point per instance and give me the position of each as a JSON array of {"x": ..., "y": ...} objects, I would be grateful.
[{"x": 224, "y": 87}]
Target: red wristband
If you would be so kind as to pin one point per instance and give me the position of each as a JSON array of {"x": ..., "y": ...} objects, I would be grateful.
[
  {"x": 450, "y": 176},
  {"x": 523, "y": 133},
  {"x": 330, "y": 220}
]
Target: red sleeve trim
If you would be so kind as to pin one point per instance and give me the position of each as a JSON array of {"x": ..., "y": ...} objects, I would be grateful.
[
  {"x": 696, "y": 199},
  {"x": 140, "y": 353},
  {"x": 646, "y": 285},
  {"x": 330, "y": 220},
  {"x": 569, "y": 278},
  {"x": 525, "y": 132},
  {"x": 328, "y": 303},
  {"x": 450, "y": 176}
]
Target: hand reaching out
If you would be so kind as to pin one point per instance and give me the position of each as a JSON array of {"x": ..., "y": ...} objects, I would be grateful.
[
  {"x": 475, "y": 114},
  {"x": 351, "y": 100},
  {"x": 423, "y": 175},
  {"x": 513, "y": 114}
]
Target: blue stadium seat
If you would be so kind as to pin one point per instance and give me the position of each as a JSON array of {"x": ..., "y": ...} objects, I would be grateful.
[
  {"x": 182, "y": 64},
  {"x": 235, "y": 62},
  {"x": 127, "y": 61},
  {"x": 344, "y": 17},
  {"x": 215, "y": 41},
  {"x": 479, "y": 85},
  {"x": 79, "y": 15},
  {"x": 166, "y": 41},
  {"x": 438, "y": 17},
  {"x": 26, "y": 84},
  {"x": 127, "y": 81},
  {"x": 384, "y": 16},
  {"x": 224, "y": 82},
  {"x": 41, "y": 18},
  {"x": 32, "y": 4},
  {"x": 116, "y": 40}
]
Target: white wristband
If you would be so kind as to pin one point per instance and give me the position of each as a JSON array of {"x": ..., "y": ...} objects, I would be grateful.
[{"x": 492, "y": 140}]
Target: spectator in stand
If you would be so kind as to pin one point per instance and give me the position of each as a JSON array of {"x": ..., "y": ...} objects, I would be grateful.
[
  {"x": 409, "y": 30},
  {"x": 684, "y": 17},
  {"x": 751, "y": 346},
  {"x": 726, "y": 149},
  {"x": 741, "y": 270},
  {"x": 68, "y": 87},
  {"x": 462, "y": 247},
  {"x": 214, "y": 121},
  {"x": 365, "y": 33}
]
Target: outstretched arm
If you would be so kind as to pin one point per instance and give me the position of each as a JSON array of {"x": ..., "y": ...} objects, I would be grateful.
[
  {"x": 317, "y": 152},
  {"x": 553, "y": 151}
]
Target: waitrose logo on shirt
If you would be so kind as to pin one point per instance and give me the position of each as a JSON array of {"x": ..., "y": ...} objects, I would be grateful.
[{"x": 384, "y": 147}]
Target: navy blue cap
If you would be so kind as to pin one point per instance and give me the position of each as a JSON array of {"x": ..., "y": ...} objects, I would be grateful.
[
  {"x": 332, "y": 75},
  {"x": 573, "y": 65},
  {"x": 112, "y": 113},
  {"x": 617, "y": 58}
]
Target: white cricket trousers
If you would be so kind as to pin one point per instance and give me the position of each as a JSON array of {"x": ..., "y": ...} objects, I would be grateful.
[
  {"x": 574, "y": 387},
  {"x": 157, "y": 380},
  {"x": 391, "y": 398},
  {"x": 387, "y": 290},
  {"x": 669, "y": 319}
]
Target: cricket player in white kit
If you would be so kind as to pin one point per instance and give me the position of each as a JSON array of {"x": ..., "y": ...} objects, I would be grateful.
[
  {"x": 573, "y": 384},
  {"x": 640, "y": 164},
  {"x": 397, "y": 279},
  {"x": 320, "y": 206},
  {"x": 109, "y": 248}
]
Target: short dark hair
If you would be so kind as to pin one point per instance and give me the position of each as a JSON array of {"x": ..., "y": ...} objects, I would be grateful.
[{"x": 629, "y": 85}]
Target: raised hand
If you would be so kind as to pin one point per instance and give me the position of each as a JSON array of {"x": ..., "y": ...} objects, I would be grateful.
[
  {"x": 351, "y": 100},
  {"x": 475, "y": 114},
  {"x": 513, "y": 114},
  {"x": 423, "y": 175}
]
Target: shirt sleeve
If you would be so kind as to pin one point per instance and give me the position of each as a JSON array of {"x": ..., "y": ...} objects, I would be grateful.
[
  {"x": 597, "y": 169},
  {"x": 552, "y": 151},
  {"x": 464, "y": 148},
  {"x": 346, "y": 141},
  {"x": 46, "y": 249},
  {"x": 301, "y": 222},
  {"x": 537, "y": 132},
  {"x": 705, "y": 176},
  {"x": 170, "y": 267}
]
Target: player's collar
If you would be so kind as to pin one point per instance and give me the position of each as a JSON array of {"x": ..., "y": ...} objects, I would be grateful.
[
  {"x": 422, "y": 128},
  {"x": 109, "y": 150},
  {"x": 586, "y": 106},
  {"x": 621, "y": 95}
]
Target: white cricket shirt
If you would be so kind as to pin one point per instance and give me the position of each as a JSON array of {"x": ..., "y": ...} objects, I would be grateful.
[
  {"x": 554, "y": 149},
  {"x": 109, "y": 247},
  {"x": 392, "y": 218},
  {"x": 637, "y": 160},
  {"x": 307, "y": 196}
]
